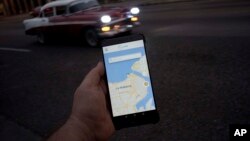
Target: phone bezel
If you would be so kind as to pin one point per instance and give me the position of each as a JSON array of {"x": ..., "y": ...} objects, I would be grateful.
[{"x": 134, "y": 119}]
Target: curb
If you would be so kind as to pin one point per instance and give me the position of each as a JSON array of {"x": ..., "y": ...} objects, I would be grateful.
[
  {"x": 14, "y": 17},
  {"x": 164, "y": 2},
  {"x": 146, "y": 2}
]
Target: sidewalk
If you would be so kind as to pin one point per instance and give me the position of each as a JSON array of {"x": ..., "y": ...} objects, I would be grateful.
[
  {"x": 14, "y": 18},
  {"x": 145, "y": 2},
  {"x": 21, "y": 17}
]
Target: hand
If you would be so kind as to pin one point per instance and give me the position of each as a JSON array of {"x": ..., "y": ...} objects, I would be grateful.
[
  {"x": 90, "y": 119},
  {"x": 90, "y": 107}
]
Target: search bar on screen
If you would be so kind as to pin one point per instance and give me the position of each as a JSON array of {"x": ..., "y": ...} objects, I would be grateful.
[{"x": 124, "y": 58}]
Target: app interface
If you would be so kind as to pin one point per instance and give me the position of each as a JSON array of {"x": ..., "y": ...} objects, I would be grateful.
[{"x": 128, "y": 78}]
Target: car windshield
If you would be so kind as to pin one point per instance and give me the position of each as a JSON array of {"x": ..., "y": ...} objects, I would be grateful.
[{"x": 82, "y": 5}]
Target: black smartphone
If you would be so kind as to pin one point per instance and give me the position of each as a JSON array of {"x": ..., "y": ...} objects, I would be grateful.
[{"x": 130, "y": 87}]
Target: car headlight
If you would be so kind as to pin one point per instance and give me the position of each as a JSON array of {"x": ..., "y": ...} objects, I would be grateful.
[
  {"x": 135, "y": 10},
  {"x": 106, "y": 19}
]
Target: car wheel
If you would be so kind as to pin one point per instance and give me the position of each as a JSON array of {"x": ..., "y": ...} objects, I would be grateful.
[
  {"x": 91, "y": 37},
  {"x": 41, "y": 38}
]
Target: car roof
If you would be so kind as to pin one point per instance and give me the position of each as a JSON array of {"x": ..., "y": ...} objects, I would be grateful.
[{"x": 57, "y": 3}]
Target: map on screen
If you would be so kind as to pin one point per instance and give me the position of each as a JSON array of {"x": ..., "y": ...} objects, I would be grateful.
[{"x": 128, "y": 78}]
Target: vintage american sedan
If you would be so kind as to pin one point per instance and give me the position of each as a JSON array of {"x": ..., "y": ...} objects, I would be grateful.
[{"x": 82, "y": 18}]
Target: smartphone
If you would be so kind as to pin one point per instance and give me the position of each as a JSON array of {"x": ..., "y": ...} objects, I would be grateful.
[{"x": 131, "y": 95}]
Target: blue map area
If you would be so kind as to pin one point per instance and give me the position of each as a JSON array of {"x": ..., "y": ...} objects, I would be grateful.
[{"x": 117, "y": 72}]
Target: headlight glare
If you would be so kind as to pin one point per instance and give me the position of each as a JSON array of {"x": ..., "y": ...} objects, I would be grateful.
[
  {"x": 106, "y": 19},
  {"x": 135, "y": 10}
]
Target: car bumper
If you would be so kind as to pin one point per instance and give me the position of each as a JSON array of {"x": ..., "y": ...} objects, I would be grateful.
[{"x": 115, "y": 31}]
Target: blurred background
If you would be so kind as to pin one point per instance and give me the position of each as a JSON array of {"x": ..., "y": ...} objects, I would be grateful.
[{"x": 198, "y": 52}]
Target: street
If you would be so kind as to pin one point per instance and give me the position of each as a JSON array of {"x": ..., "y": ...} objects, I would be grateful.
[{"x": 198, "y": 55}]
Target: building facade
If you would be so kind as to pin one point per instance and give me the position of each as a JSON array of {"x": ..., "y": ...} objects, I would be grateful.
[{"x": 14, "y": 7}]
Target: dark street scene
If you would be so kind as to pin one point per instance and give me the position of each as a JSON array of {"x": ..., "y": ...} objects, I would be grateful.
[{"x": 197, "y": 50}]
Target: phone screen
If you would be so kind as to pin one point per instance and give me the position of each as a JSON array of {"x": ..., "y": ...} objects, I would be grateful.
[{"x": 128, "y": 78}]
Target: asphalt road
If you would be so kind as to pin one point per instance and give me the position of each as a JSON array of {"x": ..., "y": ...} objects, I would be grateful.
[{"x": 199, "y": 59}]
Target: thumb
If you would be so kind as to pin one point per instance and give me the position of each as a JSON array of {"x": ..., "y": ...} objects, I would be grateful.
[{"x": 93, "y": 78}]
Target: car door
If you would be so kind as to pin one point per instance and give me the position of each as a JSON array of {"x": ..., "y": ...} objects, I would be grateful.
[
  {"x": 59, "y": 21},
  {"x": 79, "y": 18},
  {"x": 46, "y": 22}
]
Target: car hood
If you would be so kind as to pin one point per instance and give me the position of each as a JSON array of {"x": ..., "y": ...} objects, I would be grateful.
[{"x": 104, "y": 10}]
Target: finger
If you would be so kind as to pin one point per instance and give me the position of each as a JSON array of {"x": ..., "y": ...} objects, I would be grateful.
[{"x": 93, "y": 78}]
